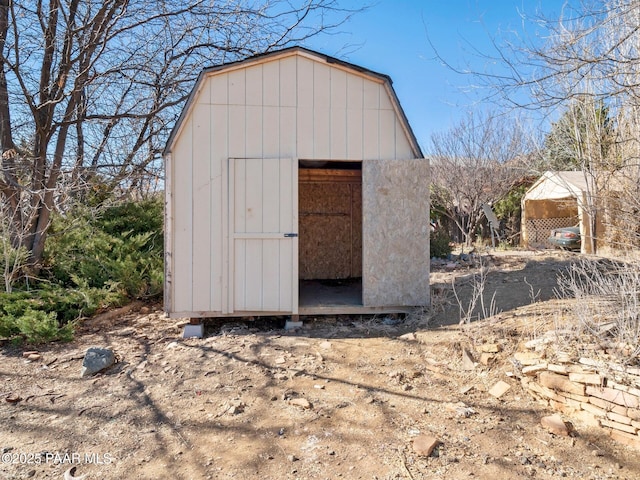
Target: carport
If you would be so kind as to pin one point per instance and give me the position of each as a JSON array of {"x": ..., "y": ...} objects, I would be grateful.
[{"x": 556, "y": 200}]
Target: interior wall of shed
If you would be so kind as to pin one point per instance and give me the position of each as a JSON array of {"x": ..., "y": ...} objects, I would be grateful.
[{"x": 330, "y": 221}]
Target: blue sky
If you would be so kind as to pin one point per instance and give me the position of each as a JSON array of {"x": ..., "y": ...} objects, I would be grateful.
[{"x": 392, "y": 37}]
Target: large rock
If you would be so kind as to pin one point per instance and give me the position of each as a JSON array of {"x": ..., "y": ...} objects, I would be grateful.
[
  {"x": 424, "y": 445},
  {"x": 95, "y": 360}
]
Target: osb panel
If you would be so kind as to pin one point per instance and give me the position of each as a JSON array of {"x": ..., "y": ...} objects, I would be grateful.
[
  {"x": 324, "y": 198},
  {"x": 356, "y": 230},
  {"x": 551, "y": 208},
  {"x": 330, "y": 230},
  {"x": 324, "y": 247},
  {"x": 395, "y": 196}
]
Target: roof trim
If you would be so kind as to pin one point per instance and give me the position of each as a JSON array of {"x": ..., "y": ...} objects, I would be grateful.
[{"x": 286, "y": 52}]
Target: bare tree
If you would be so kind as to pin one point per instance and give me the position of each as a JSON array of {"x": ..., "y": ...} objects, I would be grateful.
[
  {"x": 89, "y": 88},
  {"x": 587, "y": 64},
  {"x": 475, "y": 163}
]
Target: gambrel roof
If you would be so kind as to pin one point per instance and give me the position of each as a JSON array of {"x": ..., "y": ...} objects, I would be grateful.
[{"x": 309, "y": 54}]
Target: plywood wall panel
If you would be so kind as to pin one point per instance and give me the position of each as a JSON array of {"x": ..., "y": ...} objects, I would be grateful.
[
  {"x": 370, "y": 135},
  {"x": 253, "y": 132},
  {"x": 328, "y": 223},
  {"x": 387, "y": 134},
  {"x": 325, "y": 247},
  {"x": 321, "y": 133},
  {"x": 237, "y": 131},
  {"x": 395, "y": 232},
  {"x": 355, "y": 92},
  {"x": 271, "y": 194},
  {"x": 371, "y": 95},
  {"x": 182, "y": 256},
  {"x": 356, "y": 230},
  {"x": 218, "y": 186},
  {"x": 288, "y": 127},
  {"x": 253, "y": 85},
  {"x": 305, "y": 87},
  {"x": 201, "y": 208},
  {"x": 219, "y": 88},
  {"x": 321, "y": 85},
  {"x": 354, "y": 128},
  {"x": 253, "y": 195},
  {"x": 305, "y": 133},
  {"x": 271, "y": 84},
  {"x": 236, "y": 85},
  {"x": 402, "y": 145},
  {"x": 338, "y": 142},
  {"x": 289, "y": 80}
]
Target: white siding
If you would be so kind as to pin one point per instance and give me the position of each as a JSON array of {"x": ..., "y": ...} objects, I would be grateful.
[
  {"x": 182, "y": 254},
  {"x": 201, "y": 193}
]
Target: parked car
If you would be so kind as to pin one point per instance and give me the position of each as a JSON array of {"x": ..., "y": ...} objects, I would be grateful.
[{"x": 567, "y": 238}]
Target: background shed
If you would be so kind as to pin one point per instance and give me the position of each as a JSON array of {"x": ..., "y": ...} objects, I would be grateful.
[
  {"x": 294, "y": 185},
  {"x": 556, "y": 200}
]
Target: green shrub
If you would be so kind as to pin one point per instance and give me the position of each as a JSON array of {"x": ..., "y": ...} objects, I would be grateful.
[
  {"x": 92, "y": 261},
  {"x": 37, "y": 326},
  {"x": 24, "y": 317},
  {"x": 121, "y": 249},
  {"x": 440, "y": 244}
]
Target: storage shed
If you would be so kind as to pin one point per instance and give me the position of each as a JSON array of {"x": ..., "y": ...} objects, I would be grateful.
[
  {"x": 556, "y": 200},
  {"x": 294, "y": 185}
]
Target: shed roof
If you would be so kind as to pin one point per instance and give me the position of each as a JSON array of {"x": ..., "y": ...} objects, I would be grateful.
[
  {"x": 297, "y": 50},
  {"x": 557, "y": 185}
]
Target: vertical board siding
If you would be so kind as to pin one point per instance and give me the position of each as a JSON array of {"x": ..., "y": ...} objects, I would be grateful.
[
  {"x": 182, "y": 255},
  {"x": 264, "y": 199},
  {"x": 217, "y": 219},
  {"x": 237, "y": 90},
  {"x": 338, "y": 120},
  {"x": 201, "y": 195},
  {"x": 387, "y": 132},
  {"x": 289, "y": 80},
  {"x": 321, "y": 134},
  {"x": 271, "y": 84},
  {"x": 253, "y": 86}
]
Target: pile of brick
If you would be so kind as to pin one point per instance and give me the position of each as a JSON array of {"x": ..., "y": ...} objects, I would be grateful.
[{"x": 597, "y": 393}]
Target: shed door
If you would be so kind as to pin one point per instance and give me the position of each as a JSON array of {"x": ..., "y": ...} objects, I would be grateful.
[
  {"x": 263, "y": 226},
  {"x": 395, "y": 233}
]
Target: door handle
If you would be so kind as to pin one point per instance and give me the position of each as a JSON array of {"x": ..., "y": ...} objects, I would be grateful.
[{"x": 290, "y": 235}]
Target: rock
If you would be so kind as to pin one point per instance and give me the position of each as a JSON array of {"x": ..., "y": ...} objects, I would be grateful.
[
  {"x": 499, "y": 389},
  {"x": 490, "y": 348},
  {"x": 467, "y": 360},
  {"x": 300, "y": 402},
  {"x": 532, "y": 370},
  {"x": 95, "y": 360},
  {"x": 34, "y": 357},
  {"x": 392, "y": 321},
  {"x": 408, "y": 336},
  {"x": 527, "y": 358},
  {"x": 486, "y": 358},
  {"x": 325, "y": 345},
  {"x": 29, "y": 353},
  {"x": 555, "y": 425},
  {"x": 424, "y": 445}
]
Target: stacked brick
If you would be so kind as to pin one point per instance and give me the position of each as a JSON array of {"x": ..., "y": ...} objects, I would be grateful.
[{"x": 598, "y": 394}]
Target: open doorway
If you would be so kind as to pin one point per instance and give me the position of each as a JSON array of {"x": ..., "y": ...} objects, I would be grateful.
[{"x": 330, "y": 236}]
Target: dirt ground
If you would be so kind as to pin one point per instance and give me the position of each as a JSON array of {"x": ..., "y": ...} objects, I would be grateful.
[{"x": 342, "y": 397}]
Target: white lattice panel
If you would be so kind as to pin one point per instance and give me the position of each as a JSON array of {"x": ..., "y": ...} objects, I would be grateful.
[{"x": 539, "y": 229}]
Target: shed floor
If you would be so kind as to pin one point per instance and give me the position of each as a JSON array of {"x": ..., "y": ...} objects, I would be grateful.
[{"x": 326, "y": 297}]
